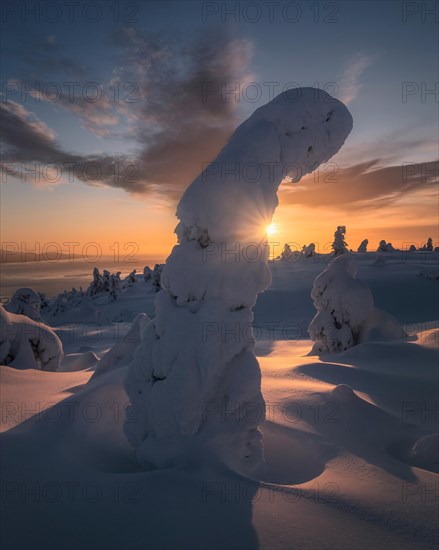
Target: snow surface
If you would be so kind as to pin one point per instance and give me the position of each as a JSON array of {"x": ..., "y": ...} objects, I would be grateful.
[{"x": 349, "y": 438}]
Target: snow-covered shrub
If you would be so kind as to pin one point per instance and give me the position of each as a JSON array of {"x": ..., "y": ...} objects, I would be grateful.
[
  {"x": 340, "y": 245},
  {"x": 193, "y": 377},
  {"x": 26, "y": 344},
  {"x": 25, "y": 301},
  {"x": 343, "y": 303},
  {"x": 363, "y": 246}
]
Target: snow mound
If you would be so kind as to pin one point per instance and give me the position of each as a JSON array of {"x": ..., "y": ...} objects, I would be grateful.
[
  {"x": 122, "y": 353},
  {"x": 425, "y": 452},
  {"x": 196, "y": 358},
  {"x": 74, "y": 362},
  {"x": 344, "y": 393},
  {"x": 26, "y": 344}
]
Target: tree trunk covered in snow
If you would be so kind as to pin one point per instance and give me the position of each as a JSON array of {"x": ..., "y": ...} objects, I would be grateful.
[{"x": 195, "y": 372}]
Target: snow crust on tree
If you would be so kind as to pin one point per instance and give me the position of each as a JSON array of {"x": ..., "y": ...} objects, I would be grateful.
[
  {"x": 26, "y": 344},
  {"x": 25, "y": 301},
  {"x": 363, "y": 246},
  {"x": 195, "y": 374},
  {"x": 340, "y": 245},
  {"x": 343, "y": 303}
]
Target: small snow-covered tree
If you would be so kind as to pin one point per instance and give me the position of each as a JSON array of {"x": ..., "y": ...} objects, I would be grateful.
[
  {"x": 412, "y": 248},
  {"x": 363, "y": 246},
  {"x": 309, "y": 251},
  {"x": 343, "y": 303},
  {"x": 156, "y": 277},
  {"x": 340, "y": 245}
]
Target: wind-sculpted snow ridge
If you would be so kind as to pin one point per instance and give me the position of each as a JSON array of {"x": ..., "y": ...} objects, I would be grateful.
[
  {"x": 195, "y": 372},
  {"x": 26, "y": 344}
]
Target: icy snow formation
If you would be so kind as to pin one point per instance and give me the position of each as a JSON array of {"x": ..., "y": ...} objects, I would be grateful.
[
  {"x": 343, "y": 304},
  {"x": 26, "y": 344},
  {"x": 195, "y": 372}
]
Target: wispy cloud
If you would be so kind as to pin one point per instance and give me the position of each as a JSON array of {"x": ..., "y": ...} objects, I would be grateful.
[
  {"x": 363, "y": 186},
  {"x": 350, "y": 80}
]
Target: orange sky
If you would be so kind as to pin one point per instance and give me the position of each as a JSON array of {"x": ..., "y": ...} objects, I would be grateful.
[{"x": 109, "y": 216}]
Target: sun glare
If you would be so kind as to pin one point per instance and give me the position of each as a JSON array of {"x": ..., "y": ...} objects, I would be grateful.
[{"x": 271, "y": 229}]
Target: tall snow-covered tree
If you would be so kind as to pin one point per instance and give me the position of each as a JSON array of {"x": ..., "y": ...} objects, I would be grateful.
[{"x": 195, "y": 373}]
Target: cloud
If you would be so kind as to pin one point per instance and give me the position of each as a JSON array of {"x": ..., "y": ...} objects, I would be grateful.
[
  {"x": 169, "y": 104},
  {"x": 350, "y": 80},
  {"x": 363, "y": 185}
]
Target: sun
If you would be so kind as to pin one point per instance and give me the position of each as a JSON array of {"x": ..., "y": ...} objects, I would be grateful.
[{"x": 271, "y": 229}]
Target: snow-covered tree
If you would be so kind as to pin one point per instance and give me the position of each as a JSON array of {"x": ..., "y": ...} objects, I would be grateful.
[
  {"x": 25, "y": 301},
  {"x": 195, "y": 373},
  {"x": 363, "y": 246},
  {"x": 343, "y": 303},
  {"x": 428, "y": 247},
  {"x": 412, "y": 248},
  {"x": 286, "y": 253},
  {"x": 156, "y": 277},
  {"x": 147, "y": 273},
  {"x": 385, "y": 247},
  {"x": 130, "y": 279},
  {"x": 26, "y": 344},
  {"x": 114, "y": 285},
  {"x": 340, "y": 245}
]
